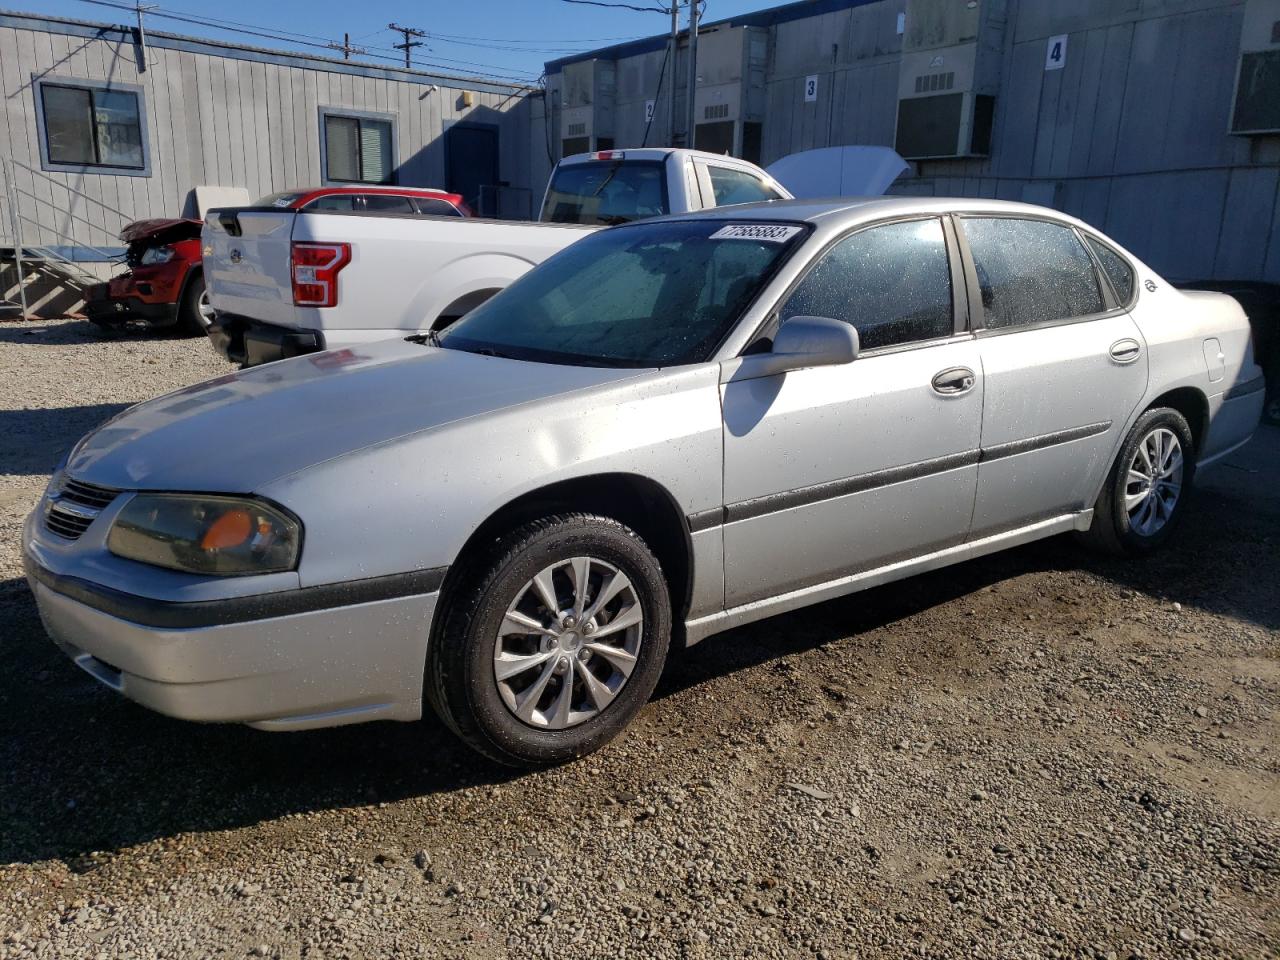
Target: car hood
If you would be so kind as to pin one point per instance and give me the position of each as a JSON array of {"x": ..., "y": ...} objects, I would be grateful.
[
  {"x": 161, "y": 230},
  {"x": 235, "y": 434}
]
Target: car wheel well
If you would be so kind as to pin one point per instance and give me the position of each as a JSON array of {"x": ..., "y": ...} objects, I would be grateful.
[
  {"x": 1194, "y": 407},
  {"x": 464, "y": 304},
  {"x": 638, "y": 502}
]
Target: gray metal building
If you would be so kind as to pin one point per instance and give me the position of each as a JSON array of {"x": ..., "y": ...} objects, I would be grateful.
[
  {"x": 1156, "y": 120},
  {"x": 98, "y": 129}
]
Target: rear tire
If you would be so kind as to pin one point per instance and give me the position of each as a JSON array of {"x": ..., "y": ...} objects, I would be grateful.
[
  {"x": 194, "y": 312},
  {"x": 1143, "y": 499},
  {"x": 527, "y": 685}
]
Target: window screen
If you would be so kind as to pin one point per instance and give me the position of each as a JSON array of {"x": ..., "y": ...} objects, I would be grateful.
[
  {"x": 1030, "y": 271},
  {"x": 89, "y": 126},
  {"x": 357, "y": 149},
  {"x": 1116, "y": 268},
  {"x": 892, "y": 283},
  {"x": 736, "y": 186}
]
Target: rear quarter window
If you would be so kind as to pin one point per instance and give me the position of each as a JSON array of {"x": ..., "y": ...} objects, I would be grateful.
[{"x": 1115, "y": 267}]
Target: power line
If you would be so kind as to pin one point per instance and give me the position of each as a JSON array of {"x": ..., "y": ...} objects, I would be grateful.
[
  {"x": 308, "y": 40},
  {"x": 408, "y": 44},
  {"x": 346, "y": 47},
  {"x": 620, "y": 6}
]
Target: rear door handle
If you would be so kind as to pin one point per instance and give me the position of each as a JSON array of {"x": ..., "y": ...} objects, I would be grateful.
[
  {"x": 954, "y": 381},
  {"x": 1126, "y": 350}
]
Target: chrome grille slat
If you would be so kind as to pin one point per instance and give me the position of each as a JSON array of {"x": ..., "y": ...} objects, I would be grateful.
[{"x": 74, "y": 506}]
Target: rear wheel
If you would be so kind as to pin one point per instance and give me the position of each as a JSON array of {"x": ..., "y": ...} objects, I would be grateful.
[
  {"x": 194, "y": 313},
  {"x": 1143, "y": 499},
  {"x": 553, "y": 642}
]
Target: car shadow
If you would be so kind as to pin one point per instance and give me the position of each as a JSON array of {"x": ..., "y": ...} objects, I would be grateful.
[
  {"x": 84, "y": 772},
  {"x": 37, "y": 333},
  {"x": 34, "y": 441}
]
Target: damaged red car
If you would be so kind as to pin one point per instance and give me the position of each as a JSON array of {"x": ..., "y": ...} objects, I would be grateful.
[{"x": 164, "y": 284}]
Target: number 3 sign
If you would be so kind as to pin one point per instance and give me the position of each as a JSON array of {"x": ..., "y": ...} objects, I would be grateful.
[{"x": 811, "y": 88}]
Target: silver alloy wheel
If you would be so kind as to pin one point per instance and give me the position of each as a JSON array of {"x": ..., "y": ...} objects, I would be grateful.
[
  {"x": 205, "y": 309},
  {"x": 568, "y": 643},
  {"x": 1155, "y": 481}
]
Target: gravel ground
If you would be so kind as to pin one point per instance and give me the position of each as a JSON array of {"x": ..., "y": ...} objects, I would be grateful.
[{"x": 1039, "y": 754}]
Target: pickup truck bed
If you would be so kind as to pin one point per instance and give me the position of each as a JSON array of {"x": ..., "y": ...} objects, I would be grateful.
[{"x": 395, "y": 274}]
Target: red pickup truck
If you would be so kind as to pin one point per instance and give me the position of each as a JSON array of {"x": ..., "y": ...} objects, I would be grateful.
[{"x": 164, "y": 285}]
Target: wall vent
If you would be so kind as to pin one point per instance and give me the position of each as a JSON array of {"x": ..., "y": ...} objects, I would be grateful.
[
  {"x": 577, "y": 129},
  {"x": 715, "y": 111},
  {"x": 933, "y": 82}
]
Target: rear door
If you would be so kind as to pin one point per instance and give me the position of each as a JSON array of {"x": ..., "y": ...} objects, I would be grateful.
[
  {"x": 1064, "y": 367},
  {"x": 247, "y": 267}
]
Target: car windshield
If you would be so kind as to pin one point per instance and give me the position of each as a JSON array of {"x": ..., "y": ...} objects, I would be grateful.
[
  {"x": 606, "y": 192},
  {"x": 644, "y": 295}
]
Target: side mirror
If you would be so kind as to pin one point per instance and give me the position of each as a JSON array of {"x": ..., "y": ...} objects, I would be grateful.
[{"x": 803, "y": 342}]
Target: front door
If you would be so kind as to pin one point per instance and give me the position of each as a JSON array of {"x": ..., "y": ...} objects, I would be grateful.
[
  {"x": 471, "y": 162},
  {"x": 833, "y": 470},
  {"x": 1064, "y": 370}
]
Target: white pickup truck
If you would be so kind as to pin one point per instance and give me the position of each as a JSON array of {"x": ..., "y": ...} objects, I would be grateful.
[{"x": 285, "y": 282}]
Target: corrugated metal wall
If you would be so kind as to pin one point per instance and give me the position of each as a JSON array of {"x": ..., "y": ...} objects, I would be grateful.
[{"x": 220, "y": 115}]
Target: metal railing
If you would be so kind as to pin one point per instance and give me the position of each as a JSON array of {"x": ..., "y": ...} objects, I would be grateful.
[{"x": 52, "y": 227}]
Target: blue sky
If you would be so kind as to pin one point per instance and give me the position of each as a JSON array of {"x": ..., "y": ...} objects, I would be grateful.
[{"x": 511, "y": 38}]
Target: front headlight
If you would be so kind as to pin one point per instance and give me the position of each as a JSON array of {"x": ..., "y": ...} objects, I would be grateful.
[
  {"x": 206, "y": 534},
  {"x": 154, "y": 255}
]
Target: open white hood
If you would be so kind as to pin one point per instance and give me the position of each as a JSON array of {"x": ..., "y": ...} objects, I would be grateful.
[{"x": 838, "y": 171}]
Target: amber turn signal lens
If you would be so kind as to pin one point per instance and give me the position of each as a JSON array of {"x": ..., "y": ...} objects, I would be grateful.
[{"x": 229, "y": 530}]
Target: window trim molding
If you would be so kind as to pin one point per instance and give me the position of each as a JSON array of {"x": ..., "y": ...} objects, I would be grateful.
[
  {"x": 40, "y": 80},
  {"x": 335, "y": 111}
]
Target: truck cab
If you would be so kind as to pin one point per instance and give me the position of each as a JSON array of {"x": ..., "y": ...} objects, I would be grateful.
[{"x": 610, "y": 187}]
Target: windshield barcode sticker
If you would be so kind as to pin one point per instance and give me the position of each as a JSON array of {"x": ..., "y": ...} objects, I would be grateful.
[{"x": 769, "y": 232}]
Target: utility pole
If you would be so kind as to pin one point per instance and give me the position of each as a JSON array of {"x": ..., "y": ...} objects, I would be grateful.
[
  {"x": 408, "y": 44},
  {"x": 347, "y": 47},
  {"x": 673, "y": 57},
  {"x": 693, "y": 70},
  {"x": 140, "y": 8}
]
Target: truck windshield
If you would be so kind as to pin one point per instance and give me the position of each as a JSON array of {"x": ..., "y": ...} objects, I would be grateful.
[
  {"x": 645, "y": 295},
  {"x": 606, "y": 192}
]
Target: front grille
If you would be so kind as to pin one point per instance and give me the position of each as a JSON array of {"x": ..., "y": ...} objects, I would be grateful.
[
  {"x": 74, "y": 507},
  {"x": 87, "y": 494}
]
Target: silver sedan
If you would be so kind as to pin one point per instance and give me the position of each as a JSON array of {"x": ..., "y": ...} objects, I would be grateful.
[{"x": 669, "y": 429}]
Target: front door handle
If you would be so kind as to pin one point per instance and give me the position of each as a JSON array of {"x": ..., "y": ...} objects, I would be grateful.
[
  {"x": 1126, "y": 350},
  {"x": 954, "y": 381}
]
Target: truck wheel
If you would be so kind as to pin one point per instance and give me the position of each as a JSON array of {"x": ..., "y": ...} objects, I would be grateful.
[
  {"x": 553, "y": 641},
  {"x": 194, "y": 313},
  {"x": 1146, "y": 491}
]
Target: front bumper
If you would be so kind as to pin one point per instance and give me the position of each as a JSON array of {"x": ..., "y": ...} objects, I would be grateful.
[
  {"x": 118, "y": 310},
  {"x": 250, "y": 342},
  {"x": 340, "y": 664}
]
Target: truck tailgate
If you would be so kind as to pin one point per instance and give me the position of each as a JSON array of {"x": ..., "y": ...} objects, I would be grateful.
[{"x": 247, "y": 266}]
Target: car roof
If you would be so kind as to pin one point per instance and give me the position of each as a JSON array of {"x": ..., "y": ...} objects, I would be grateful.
[{"x": 849, "y": 210}]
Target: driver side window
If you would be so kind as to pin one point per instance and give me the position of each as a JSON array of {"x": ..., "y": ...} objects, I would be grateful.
[{"x": 891, "y": 283}]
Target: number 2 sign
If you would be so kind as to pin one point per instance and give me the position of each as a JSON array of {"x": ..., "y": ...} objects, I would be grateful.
[
  {"x": 1055, "y": 56},
  {"x": 811, "y": 88}
]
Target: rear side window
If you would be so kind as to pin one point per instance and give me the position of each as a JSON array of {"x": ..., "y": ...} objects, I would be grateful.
[
  {"x": 430, "y": 207},
  {"x": 606, "y": 192},
  {"x": 334, "y": 203},
  {"x": 1116, "y": 268},
  {"x": 737, "y": 186},
  {"x": 891, "y": 283},
  {"x": 1030, "y": 271},
  {"x": 386, "y": 203}
]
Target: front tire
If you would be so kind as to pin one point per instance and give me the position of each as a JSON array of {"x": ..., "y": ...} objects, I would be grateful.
[
  {"x": 552, "y": 641},
  {"x": 194, "y": 313},
  {"x": 1143, "y": 500}
]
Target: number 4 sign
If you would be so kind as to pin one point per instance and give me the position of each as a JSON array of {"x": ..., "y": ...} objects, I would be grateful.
[
  {"x": 1055, "y": 56},
  {"x": 811, "y": 88}
]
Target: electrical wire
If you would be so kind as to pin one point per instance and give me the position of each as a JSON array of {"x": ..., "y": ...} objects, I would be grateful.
[
  {"x": 657, "y": 98},
  {"x": 306, "y": 40}
]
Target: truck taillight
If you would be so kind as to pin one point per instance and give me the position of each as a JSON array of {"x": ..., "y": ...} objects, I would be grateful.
[{"x": 315, "y": 272}]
